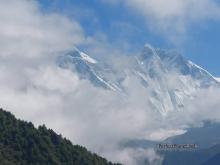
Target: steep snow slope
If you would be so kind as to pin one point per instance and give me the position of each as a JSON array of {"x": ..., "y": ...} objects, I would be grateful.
[
  {"x": 217, "y": 79},
  {"x": 85, "y": 66}
]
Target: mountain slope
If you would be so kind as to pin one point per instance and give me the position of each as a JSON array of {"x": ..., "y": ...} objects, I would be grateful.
[
  {"x": 22, "y": 144},
  {"x": 207, "y": 138},
  {"x": 213, "y": 161},
  {"x": 86, "y": 67},
  {"x": 210, "y": 156}
]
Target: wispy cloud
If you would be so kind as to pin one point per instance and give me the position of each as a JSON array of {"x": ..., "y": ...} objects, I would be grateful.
[{"x": 173, "y": 17}]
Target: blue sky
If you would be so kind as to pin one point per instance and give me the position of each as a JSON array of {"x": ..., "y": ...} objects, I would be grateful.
[{"x": 194, "y": 33}]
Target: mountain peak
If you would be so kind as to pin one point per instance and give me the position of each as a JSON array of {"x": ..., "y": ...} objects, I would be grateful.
[
  {"x": 87, "y": 58},
  {"x": 148, "y": 53},
  {"x": 75, "y": 53},
  {"x": 149, "y": 50},
  {"x": 149, "y": 46}
]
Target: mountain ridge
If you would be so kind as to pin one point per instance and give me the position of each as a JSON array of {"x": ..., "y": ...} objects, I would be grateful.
[{"x": 170, "y": 77}]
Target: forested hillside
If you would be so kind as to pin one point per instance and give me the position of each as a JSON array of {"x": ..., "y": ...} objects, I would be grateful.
[{"x": 22, "y": 144}]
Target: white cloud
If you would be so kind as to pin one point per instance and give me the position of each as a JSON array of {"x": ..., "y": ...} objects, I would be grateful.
[
  {"x": 137, "y": 156},
  {"x": 173, "y": 17},
  {"x": 25, "y": 28},
  {"x": 176, "y": 9},
  {"x": 204, "y": 107}
]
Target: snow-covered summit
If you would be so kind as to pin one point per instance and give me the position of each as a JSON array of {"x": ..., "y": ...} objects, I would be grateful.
[
  {"x": 87, "y": 58},
  {"x": 86, "y": 67},
  {"x": 77, "y": 54},
  {"x": 168, "y": 77},
  {"x": 217, "y": 79}
]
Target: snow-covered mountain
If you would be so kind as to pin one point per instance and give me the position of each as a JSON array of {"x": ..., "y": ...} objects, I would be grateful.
[
  {"x": 169, "y": 78},
  {"x": 217, "y": 79}
]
